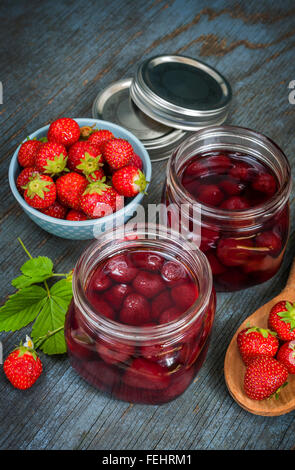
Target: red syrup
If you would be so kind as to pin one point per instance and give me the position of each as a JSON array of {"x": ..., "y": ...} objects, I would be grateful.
[
  {"x": 235, "y": 182},
  {"x": 144, "y": 289}
]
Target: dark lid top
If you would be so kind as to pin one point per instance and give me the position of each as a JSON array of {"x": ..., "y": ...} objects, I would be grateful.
[{"x": 181, "y": 92}]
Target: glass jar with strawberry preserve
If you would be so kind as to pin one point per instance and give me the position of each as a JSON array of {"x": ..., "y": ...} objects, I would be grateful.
[
  {"x": 139, "y": 324},
  {"x": 235, "y": 184}
]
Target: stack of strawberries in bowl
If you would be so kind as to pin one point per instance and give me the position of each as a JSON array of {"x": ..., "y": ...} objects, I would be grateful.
[{"x": 80, "y": 173}]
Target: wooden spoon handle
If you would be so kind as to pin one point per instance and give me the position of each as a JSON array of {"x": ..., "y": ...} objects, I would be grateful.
[{"x": 291, "y": 278}]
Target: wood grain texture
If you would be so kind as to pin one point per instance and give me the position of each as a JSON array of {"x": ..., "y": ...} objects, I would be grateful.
[{"x": 55, "y": 58}]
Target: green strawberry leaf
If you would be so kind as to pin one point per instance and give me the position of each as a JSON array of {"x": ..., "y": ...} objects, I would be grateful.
[
  {"x": 52, "y": 317},
  {"x": 34, "y": 270},
  {"x": 22, "y": 308}
]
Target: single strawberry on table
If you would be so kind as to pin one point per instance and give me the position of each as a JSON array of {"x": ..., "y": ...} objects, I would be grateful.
[
  {"x": 27, "y": 152},
  {"x": 65, "y": 131},
  {"x": 254, "y": 341},
  {"x": 117, "y": 153},
  {"x": 69, "y": 188},
  {"x": 264, "y": 377},
  {"x": 100, "y": 199},
  {"x": 129, "y": 181},
  {"x": 23, "y": 367},
  {"x": 51, "y": 158},
  {"x": 282, "y": 320},
  {"x": 136, "y": 161},
  {"x": 286, "y": 355},
  {"x": 40, "y": 192},
  {"x": 84, "y": 158}
]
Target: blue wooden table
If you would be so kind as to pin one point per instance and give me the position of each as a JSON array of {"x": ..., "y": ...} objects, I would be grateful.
[{"x": 55, "y": 58}]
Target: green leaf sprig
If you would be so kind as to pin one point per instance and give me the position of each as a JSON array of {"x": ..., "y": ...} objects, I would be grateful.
[{"x": 36, "y": 302}]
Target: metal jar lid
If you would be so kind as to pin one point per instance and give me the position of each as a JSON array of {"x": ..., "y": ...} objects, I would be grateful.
[
  {"x": 181, "y": 92},
  {"x": 169, "y": 96},
  {"x": 115, "y": 104}
]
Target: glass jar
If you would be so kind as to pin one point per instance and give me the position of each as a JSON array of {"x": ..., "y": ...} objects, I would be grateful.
[
  {"x": 232, "y": 239},
  {"x": 150, "y": 364}
]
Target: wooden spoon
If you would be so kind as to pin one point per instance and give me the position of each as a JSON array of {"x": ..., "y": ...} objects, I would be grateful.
[{"x": 234, "y": 368}]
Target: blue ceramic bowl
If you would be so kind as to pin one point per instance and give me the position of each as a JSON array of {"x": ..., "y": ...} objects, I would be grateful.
[{"x": 88, "y": 229}]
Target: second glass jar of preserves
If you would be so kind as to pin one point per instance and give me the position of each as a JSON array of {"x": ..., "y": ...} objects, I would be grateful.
[{"x": 234, "y": 185}]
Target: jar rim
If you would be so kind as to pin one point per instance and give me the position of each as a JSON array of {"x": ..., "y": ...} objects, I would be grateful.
[
  {"x": 128, "y": 333},
  {"x": 272, "y": 204}
]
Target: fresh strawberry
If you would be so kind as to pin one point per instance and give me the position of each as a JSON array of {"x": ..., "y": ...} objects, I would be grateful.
[
  {"x": 27, "y": 153},
  {"x": 24, "y": 177},
  {"x": 282, "y": 320},
  {"x": 23, "y": 367},
  {"x": 100, "y": 137},
  {"x": 136, "y": 161},
  {"x": 76, "y": 215},
  {"x": 254, "y": 341},
  {"x": 99, "y": 200},
  {"x": 84, "y": 158},
  {"x": 286, "y": 356},
  {"x": 56, "y": 210},
  {"x": 117, "y": 153},
  {"x": 40, "y": 192},
  {"x": 264, "y": 377},
  {"x": 96, "y": 175},
  {"x": 86, "y": 131},
  {"x": 129, "y": 181},
  {"x": 64, "y": 131},
  {"x": 69, "y": 188},
  {"x": 51, "y": 158}
]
